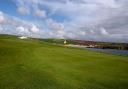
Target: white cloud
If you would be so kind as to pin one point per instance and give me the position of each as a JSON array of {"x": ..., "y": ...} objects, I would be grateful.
[
  {"x": 1, "y": 29},
  {"x": 54, "y": 25},
  {"x": 22, "y": 10},
  {"x": 92, "y": 31},
  {"x": 82, "y": 33},
  {"x": 57, "y": 29},
  {"x": 21, "y": 29},
  {"x": 34, "y": 29},
  {"x": 104, "y": 32},
  {"x": 40, "y": 13},
  {"x": 1, "y": 17},
  {"x": 13, "y": 25}
]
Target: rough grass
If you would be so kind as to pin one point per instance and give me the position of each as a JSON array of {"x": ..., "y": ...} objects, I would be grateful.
[{"x": 34, "y": 64}]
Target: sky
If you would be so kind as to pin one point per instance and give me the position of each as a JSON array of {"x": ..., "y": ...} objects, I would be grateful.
[{"x": 96, "y": 20}]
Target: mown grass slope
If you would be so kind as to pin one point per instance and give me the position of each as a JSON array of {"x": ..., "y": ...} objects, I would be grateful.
[{"x": 34, "y": 64}]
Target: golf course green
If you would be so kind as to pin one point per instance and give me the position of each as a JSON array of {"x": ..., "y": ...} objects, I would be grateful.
[{"x": 36, "y": 64}]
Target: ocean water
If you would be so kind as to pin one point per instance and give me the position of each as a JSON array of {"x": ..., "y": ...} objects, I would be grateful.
[{"x": 112, "y": 51}]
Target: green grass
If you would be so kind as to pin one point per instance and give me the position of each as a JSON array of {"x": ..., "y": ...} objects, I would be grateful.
[{"x": 34, "y": 64}]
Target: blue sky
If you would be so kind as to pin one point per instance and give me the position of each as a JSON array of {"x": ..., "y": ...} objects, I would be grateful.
[
  {"x": 99, "y": 20},
  {"x": 8, "y": 6}
]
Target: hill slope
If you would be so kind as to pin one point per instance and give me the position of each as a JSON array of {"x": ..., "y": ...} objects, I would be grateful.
[{"x": 34, "y": 64}]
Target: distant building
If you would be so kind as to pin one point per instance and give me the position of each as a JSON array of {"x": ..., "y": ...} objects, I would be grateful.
[
  {"x": 22, "y": 37},
  {"x": 87, "y": 43},
  {"x": 65, "y": 42}
]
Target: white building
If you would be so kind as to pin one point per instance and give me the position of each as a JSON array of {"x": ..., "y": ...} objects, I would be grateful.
[{"x": 22, "y": 37}]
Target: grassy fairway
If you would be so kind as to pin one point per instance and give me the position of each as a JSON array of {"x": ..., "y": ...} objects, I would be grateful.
[{"x": 34, "y": 64}]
